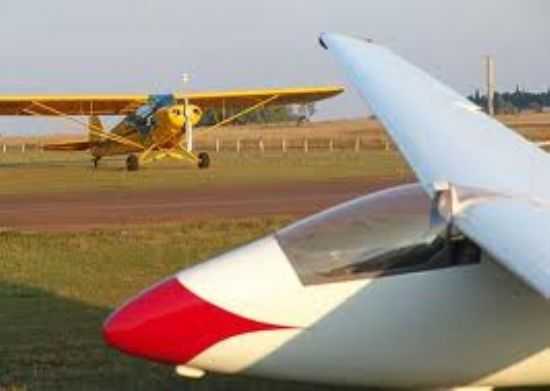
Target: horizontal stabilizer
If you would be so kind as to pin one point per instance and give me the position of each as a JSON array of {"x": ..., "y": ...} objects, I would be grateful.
[{"x": 69, "y": 146}]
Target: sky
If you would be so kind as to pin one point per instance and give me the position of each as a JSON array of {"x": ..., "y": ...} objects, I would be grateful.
[{"x": 144, "y": 46}]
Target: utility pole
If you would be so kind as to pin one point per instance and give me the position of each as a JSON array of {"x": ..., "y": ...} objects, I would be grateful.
[
  {"x": 490, "y": 78},
  {"x": 186, "y": 110}
]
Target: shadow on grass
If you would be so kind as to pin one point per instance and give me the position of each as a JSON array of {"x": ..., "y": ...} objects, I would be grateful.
[
  {"x": 104, "y": 166},
  {"x": 44, "y": 164},
  {"x": 49, "y": 342}
]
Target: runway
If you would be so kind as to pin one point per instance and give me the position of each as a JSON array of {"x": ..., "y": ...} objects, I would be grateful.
[{"x": 90, "y": 210}]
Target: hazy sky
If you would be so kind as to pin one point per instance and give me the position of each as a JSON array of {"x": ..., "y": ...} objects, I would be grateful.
[{"x": 70, "y": 46}]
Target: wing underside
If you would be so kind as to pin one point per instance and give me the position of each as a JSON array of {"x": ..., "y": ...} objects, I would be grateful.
[
  {"x": 443, "y": 136},
  {"x": 515, "y": 232},
  {"x": 448, "y": 140}
]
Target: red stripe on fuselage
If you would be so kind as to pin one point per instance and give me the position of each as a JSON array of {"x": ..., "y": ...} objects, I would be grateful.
[{"x": 168, "y": 323}]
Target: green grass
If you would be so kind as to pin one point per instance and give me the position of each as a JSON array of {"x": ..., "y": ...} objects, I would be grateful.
[
  {"x": 57, "y": 288},
  {"x": 34, "y": 171}
]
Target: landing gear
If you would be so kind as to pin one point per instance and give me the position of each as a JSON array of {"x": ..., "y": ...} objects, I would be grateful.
[
  {"x": 132, "y": 163},
  {"x": 204, "y": 160},
  {"x": 96, "y": 160}
]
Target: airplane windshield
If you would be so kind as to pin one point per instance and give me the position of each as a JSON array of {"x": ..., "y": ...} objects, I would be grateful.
[
  {"x": 386, "y": 233},
  {"x": 141, "y": 118}
]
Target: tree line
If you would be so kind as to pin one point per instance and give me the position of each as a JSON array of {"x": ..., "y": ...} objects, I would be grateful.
[
  {"x": 264, "y": 115},
  {"x": 514, "y": 102}
]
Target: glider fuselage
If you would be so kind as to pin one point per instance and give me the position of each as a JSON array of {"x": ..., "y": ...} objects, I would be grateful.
[{"x": 395, "y": 319}]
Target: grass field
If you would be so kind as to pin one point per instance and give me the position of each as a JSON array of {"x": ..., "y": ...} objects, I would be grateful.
[
  {"x": 53, "y": 171},
  {"x": 533, "y": 124},
  {"x": 36, "y": 171},
  {"x": 56, "y": 290}
]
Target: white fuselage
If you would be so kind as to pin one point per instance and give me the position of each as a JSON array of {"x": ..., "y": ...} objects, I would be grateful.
[{"x": 469, "y": 325}]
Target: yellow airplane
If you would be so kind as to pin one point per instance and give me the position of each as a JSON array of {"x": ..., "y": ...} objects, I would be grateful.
[{"x": 154, "y": 126}]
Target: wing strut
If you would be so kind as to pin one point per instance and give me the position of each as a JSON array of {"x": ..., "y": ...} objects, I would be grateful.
[
  {"x": 242, "y": 112},
  {"x": 93, "y": 129}
]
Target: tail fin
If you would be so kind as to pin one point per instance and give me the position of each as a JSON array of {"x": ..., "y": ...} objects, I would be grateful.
[{"x": 95, "y": 129}]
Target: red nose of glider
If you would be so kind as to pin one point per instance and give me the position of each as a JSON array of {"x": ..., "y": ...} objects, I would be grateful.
[
  {"x": 158, "y": 324},
  {"x": 170, "y": 324}
]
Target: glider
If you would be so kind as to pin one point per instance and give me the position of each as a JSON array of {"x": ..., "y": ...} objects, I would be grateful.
[
  {"x": 442, "y": 283},
  {"x": 154, "y": 127}
]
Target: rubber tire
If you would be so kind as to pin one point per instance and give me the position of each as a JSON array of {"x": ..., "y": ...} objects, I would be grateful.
[
  {"x": 204, "y": 160},
  {"x": 95, "y": 161},
  {"x": 132, "y": 163}
]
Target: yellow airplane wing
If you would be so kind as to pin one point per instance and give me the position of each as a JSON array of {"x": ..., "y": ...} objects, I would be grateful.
[
  {"x": 70, "y": 104},
  {"x": 51, "y": 105},
  {"x": 284, "y": 96}
]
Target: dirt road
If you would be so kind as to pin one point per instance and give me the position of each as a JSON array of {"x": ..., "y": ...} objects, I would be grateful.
[{"x": 82, "y": 211}]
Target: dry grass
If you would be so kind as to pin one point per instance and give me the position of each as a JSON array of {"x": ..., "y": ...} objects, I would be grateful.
[
  {"x": 533, "y": 125},
  {"x": 32, "y": 172},
  {"x": 325, "y": 129},
  {"x": 526, "y": 119}
]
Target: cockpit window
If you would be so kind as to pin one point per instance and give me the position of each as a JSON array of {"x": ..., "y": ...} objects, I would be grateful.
[{"x": 382, "y": 234}]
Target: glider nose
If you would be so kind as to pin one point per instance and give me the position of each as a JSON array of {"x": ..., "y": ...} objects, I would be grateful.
[
  {"x": 159, "y": 324},
  {"x": 170, "y": 324}
]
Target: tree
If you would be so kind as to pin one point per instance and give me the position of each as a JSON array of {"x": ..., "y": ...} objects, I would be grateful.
[
  {"x": 535, "y": 106},
  {"x": 514, "y": 102},
  {"x": 304, "y": 112},
  {"x": 266, "y": 115}
]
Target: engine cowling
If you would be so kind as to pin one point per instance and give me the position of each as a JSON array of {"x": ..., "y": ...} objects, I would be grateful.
[{"x": 169, "y": 122}]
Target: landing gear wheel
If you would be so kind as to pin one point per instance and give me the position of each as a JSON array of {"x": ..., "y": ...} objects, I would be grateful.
[
  {"x": 204, "y": 160},
  {"x": 132, "y": 163},
  {"x": 96, "y": 160}
]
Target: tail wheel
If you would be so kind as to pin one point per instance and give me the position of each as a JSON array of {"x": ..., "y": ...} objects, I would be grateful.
[
  {"x": 204, "y": 160},
  {"x": 96, "y": 160},
  {"x": 132, "y": 163}
]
